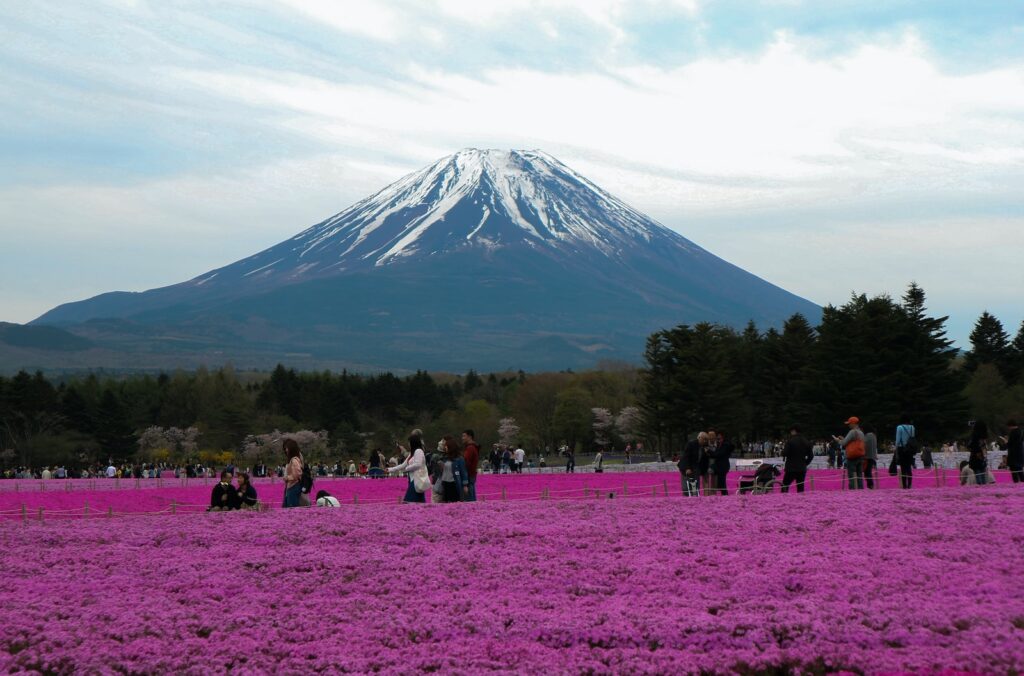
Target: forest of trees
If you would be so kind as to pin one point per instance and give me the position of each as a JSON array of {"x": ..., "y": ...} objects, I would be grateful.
[{"x": 872, "y": 357}]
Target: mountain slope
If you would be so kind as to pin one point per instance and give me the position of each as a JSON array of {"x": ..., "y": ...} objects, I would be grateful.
[{"x": 468, "y": 262}]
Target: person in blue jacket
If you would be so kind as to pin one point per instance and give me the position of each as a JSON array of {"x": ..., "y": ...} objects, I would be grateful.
[{"x": 455, "y": 477}]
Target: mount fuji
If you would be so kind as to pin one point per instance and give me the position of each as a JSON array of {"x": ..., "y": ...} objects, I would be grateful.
[{"x": 485, "y": 259}]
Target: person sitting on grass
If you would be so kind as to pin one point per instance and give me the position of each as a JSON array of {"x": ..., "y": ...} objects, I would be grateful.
[
  {"x": 966, "y": 474},
  {"x": 245, "y": 494},
  {"x": 325, "y": 499},
  {"x": 223, "y": 497}
]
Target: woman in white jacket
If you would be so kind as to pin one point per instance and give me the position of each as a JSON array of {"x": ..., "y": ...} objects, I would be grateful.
[{"x": 414, "y": 464}]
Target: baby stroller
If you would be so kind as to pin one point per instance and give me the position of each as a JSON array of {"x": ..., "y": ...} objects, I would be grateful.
[{"x": 761, "y": 481}]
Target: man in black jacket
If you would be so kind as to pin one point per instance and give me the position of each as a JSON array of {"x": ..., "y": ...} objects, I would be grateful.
[
  {"x": 689, "y": 464},
  {"x": 222, "y": 498},
  {"x": 798, "y": 454},
  {"x": 721, "y": 462},
  {"x": 1015, "y": 451}
]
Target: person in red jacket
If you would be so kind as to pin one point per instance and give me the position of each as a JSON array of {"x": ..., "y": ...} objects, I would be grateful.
[{"x": 471, "y": 454}]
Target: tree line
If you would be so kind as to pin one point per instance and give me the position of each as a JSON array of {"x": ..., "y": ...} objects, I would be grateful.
[
  {"x": 875, "y": 358},
  {"x": 872, "y": 357}
]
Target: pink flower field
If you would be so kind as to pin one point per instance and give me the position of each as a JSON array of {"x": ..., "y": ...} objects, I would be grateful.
[
  {"x": 61, "y": 499},
  {"x": 886, "y": 581}
]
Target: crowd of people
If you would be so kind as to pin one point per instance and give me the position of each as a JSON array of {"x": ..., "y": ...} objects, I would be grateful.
[
  {"x": 705, "y": 460},
  {"x": 448, "y": 472},
  {"x": 111, "y": 471}
]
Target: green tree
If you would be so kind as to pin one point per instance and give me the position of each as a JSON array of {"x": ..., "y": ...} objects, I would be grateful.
[
  {"x": 990, "y": 344},
  {"x": 572, "y": 415},
  {"x": 931, "y": 389},
  {"x": 690, "y": 381},
  {"x": 1017, "y": 356},
  {"x": 113, "y": 430},
  {"x": 990, "y": 398}
]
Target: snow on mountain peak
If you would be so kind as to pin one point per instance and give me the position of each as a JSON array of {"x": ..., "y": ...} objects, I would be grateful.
[{"x": 482, "y": 198}]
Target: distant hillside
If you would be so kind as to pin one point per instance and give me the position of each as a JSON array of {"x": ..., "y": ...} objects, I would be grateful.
[{"x": 48, "y": 338}]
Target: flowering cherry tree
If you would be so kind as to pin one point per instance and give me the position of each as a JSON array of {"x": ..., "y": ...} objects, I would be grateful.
[
  {"x": 508, "y": 431},
  {"x": 602, "y": 425}
]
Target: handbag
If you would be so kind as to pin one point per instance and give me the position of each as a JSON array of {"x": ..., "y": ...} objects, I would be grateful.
[
  {"x": 421, "y": 481},
  {"x": 892, "y": 465},
  {"x": 855, "y": 449}
]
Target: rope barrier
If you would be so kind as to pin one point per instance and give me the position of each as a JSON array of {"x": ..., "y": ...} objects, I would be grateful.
[{"x": 646, "y": 491}]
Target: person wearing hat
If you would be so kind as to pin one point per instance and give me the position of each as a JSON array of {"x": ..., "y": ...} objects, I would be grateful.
[{"x": 853, "y": 445}]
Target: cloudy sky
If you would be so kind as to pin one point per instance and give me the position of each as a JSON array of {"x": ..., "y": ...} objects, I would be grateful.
[{"x": 828, "y": 147}]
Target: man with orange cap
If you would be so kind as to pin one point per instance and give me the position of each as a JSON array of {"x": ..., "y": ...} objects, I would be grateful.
[{"x": 853, "y": 444}]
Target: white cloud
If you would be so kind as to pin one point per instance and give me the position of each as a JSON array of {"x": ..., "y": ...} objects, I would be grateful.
[
  {"x": 782, "y": 115},
  {"x": 768, "y": 159},
  {"x": 362, "y": 17}
]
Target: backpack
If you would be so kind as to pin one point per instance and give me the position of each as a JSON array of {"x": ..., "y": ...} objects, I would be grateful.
[
  {"x": 307, "y": 479},
  {"x": 912, "y": 447}
]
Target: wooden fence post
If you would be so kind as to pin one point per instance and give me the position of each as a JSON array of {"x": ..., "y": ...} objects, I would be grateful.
[
  {"x": 86, "y": 508},
  {"x": 40, "y": 515},
  {"x": 24, "y": 513},
  {"x": 504, "y": 496},
  {"x": 110, "y": 512},
  {"x": 174, "y": 506},
  {"x": 666, "y": 487}
]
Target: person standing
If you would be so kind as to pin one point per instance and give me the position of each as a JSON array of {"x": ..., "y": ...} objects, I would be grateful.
[
  {"x": 414, "y": 464},
  {"x": 454, "y": 478},
  {"x": 471, "y": 454},
  {"x": 520, "y": 458},
  {"x": 870, "y": 455},
  {"x": 1014, "y": 441},
  {"x": 905, "y": 432},
  {"x": 978, "y": 447},
  {"x": 706, "y": 464},
  {"x": 798, "y": 454},
  {"x": 723, "y": 452},
  {"x": 853, "y": 447},
  {"x": 570, "y": 459},
  {"x": 599, "y": 461},
  {"x": 495, "y": 459},
  {"x": 292, "y": 473},
  {"x": 689, "y": 464},
  {"x": 376, "y": 470}
]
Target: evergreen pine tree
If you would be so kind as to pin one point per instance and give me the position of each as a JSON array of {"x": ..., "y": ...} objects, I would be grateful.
[
  {"x": 113, "y": 431},
  {"x": 931, "y": 390},
  {"x": 1017, "y": 357},
  {"x": 990, "y": 344}
]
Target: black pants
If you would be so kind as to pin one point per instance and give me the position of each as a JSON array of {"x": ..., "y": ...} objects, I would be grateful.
[
  {"x": 870, "y": 467},
  {"x": 906, "y": 470},
  {"x": 720, "y": 483},
  {"x": 570, "y": 467},
  {"x": 790, "y": 476},
  {"x": 1017, "y": 473},
  {"x": 451, "y": 491}
]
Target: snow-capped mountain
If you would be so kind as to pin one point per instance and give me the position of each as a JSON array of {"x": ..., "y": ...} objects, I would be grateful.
[
  {"x": 474, "y": 199},
  {"x": 485, "y": 259}
]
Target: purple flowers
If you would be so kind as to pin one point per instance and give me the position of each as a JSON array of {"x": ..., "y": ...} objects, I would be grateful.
[{"x": 925, "y": 580}]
